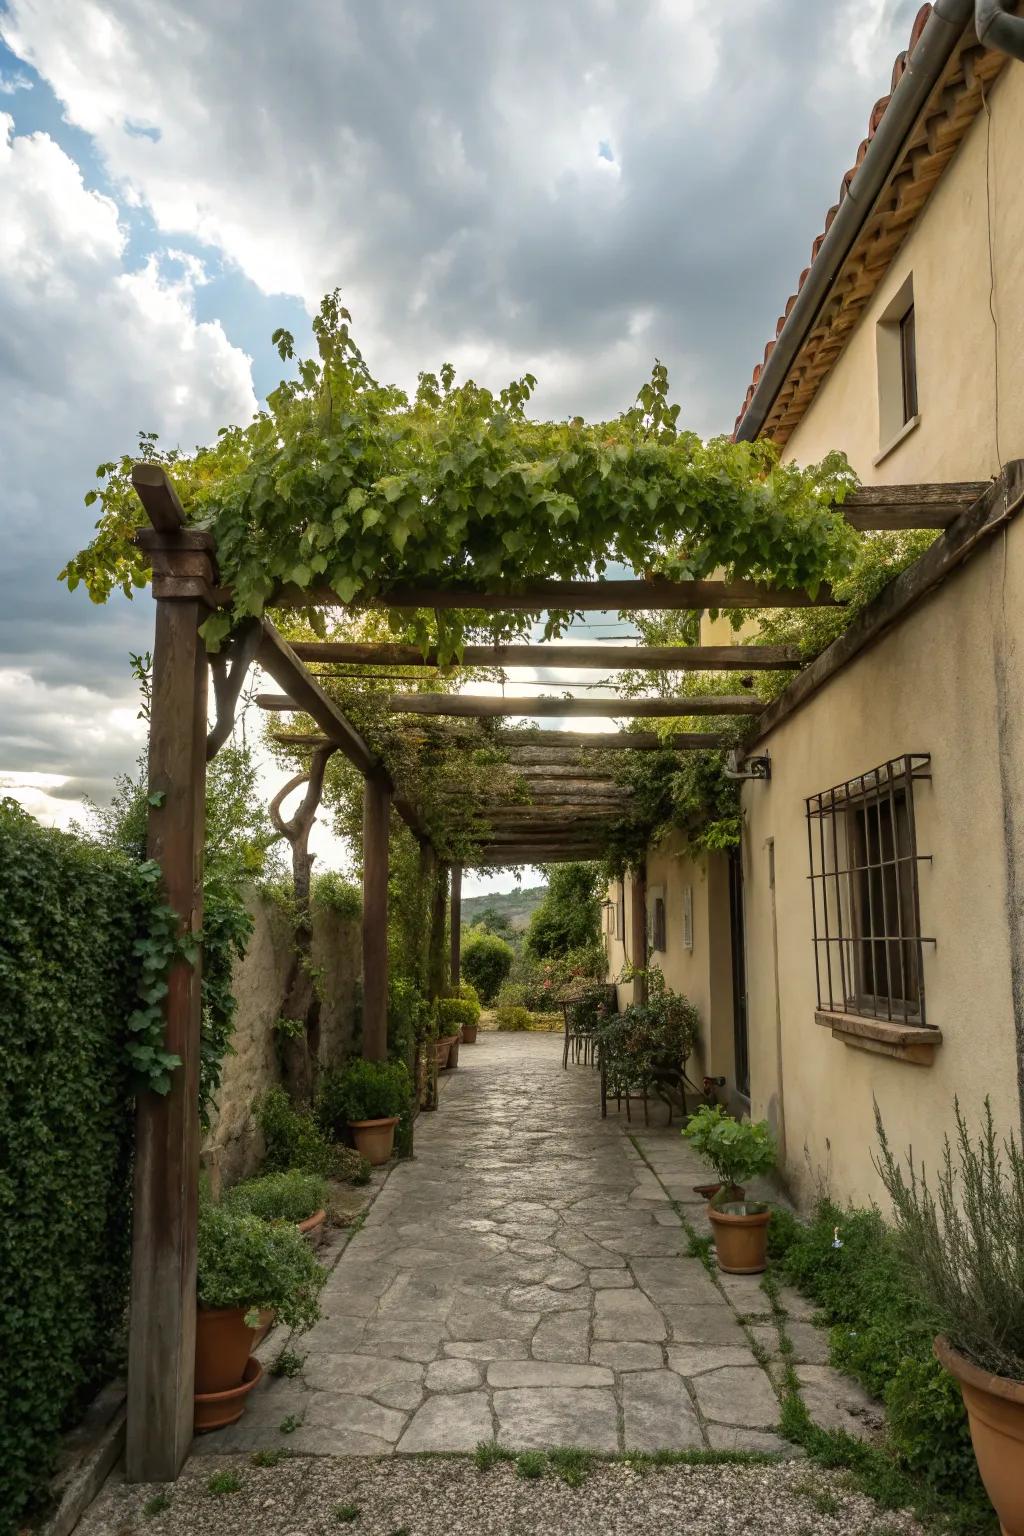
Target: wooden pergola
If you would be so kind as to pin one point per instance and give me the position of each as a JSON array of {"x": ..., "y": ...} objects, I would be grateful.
[{"x": 570, "y": 808}]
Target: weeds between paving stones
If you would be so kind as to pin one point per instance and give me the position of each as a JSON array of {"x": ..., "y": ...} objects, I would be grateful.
[
  {"x": 531, "y": 1464},
  {"x": 289, "y": 1425},
  {"x": 156, "y": 1505},
  {"x": 270, "y": 1458},
  {"x": 288, "y": 1363},
  {"x": 572, "y": 1465},
  {"x": 346, "y": 1513},
  {"x": 224, "y": 1482},
  {"x": 822, "y": 1500}
]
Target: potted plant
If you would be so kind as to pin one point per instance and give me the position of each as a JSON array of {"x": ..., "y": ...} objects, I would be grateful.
[
  {"x": 370, "y": 1097},
  {"x": 737, "y": 1150},
  {"x": 471, "y": 1022},
  {"x": 965, "y": 1245},
  {"x": 699, "y": 1131},
  {"x": 294, "y": 1196},
  {"x": 245, "y": 1266},
  {"x": 454, "y": 1016}
]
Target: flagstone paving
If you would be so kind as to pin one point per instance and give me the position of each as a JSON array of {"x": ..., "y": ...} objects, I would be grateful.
[{"x": 527, "y": 1278}]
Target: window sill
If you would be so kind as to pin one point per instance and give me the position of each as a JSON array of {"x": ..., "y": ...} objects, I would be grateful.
[
  {"x": 900, "y": 1042},
  {"x": 904, "y": 431}
]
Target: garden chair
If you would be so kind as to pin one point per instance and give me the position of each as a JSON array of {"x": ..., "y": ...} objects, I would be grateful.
[{"x": 582, "y": 1017}]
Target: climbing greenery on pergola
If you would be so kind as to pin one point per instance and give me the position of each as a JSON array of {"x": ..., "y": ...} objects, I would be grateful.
[{"x": 345, "y": 488}]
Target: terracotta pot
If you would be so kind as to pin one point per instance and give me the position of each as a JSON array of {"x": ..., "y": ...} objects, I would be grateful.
[
  {"x": 453, "y": 1051},
  {"x": 214, "y": 1410},
  {"x": 223, "y": 1343},
  {"x": 995, "y": 1412},
  {"x": 441, "y": 1049},
  {"x": 375, "y": 1139},
  {"x": 469, "y": 1034},
  {"x": 741, "y": 1238},
  {"x": 312, "y": 1228}
]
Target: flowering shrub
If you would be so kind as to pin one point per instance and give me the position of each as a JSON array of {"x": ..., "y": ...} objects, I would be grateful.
[{"x": 650, "y": 1043}]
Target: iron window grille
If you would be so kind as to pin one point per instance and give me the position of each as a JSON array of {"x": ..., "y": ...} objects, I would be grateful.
[{"x": 862, "y": 842}]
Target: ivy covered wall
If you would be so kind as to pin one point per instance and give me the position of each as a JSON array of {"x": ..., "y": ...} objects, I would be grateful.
[{"x": 69, "y": 916}]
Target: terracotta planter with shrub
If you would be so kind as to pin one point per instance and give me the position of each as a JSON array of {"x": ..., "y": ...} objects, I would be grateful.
[
  {"x": 709, "y": 1191},
  {"x": 453, "y": 1052},
  {"x": 312, "y": 1228},
  {"x": 995, "y": 1412},
  {"x": 375, "y": 1139},
  {"x": 444, "y": 1048},
  {"x": 469, "y": 1032},
  {"x": 216, "y": 1410},
  {"x": 741, "y": 1237}
]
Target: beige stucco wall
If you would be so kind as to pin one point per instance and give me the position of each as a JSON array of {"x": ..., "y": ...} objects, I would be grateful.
[
  {"x": 703, "y": 974},
  {"x": 948, "y": 681},
  {"x": 233, "y": 1146},
  {"x": 948, "y": 255}
]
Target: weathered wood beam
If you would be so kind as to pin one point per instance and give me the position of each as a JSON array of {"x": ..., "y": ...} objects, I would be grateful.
[
  {"x": 305, "y": 695},
  {"x": 154, "y": 488},
  {"x": 455, "y": 964},
  {"x": 910, "y": 506},
  {"x": 655, "y": 658},
  {"x": 536, "y": 748},
  {"x": 162, "y": 1314},
  {"x": 656, "y": 593},
  {"x": 998, "y": 506},
  {"x": 376, "y": 818},
  {"x": 484, "y": 707},
  {"x": 489, "y": 858}
]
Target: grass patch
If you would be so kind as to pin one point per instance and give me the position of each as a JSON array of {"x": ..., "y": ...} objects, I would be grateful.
[
  {"x": 572, "y": 1465},
  {"x": 156, "y": 1505},
  {"x": 222, "y": 1483},
  {"x": 531, "y": 1464},
  {"x": 656, "y": 1461},
  {"x": 270, "y": 1458},
  {"x": 289, "y": 1425},
  {"x": 702, "y": 1248},
  {"x": 346, "y": 1513},
  {"x": 488, "y": 1454}
]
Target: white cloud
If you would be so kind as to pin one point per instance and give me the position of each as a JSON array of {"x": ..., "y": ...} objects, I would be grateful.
[{"x": 93, "y": 350}]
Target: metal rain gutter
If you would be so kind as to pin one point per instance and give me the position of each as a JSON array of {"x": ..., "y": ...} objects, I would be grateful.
[
  {"x": 925, "y": 67},
  {"x": 999, "y": 27}
]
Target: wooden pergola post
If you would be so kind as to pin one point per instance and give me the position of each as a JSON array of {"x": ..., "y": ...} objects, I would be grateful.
[
  {"x": 638, "y": 932},
  {"x": 376, "y": 819},
  {"x": 456, "y": 924},
  {"x": 162, "y": 1319},
  {"x": 436, "y": 968}
]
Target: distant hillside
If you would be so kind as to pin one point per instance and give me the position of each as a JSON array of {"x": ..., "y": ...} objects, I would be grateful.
[{"x": 514, "y": 906}]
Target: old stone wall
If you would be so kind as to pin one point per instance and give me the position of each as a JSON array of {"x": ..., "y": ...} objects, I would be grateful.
[{"x": 233, "y": 1146}]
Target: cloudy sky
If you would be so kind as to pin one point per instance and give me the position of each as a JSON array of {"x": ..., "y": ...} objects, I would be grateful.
[{"x": 571, "y": 189}]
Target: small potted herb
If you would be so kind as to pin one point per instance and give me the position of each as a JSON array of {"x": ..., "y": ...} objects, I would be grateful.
[
  {"x": 370, "y": 1097},
  {"x": 245, "y": 1266},
  {"x": 293, "y": 1196},
  {"x": 471, "y": 1023},
  {"x": 965, "y": 1245},
  {"x": 738, "y": 1150}
]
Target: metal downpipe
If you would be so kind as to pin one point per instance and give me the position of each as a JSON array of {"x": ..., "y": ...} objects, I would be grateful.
[{"x": 999, "y": 27}]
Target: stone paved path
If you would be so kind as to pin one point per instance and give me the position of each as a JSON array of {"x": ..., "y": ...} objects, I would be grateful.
[{"x": 526, "y": 1278}]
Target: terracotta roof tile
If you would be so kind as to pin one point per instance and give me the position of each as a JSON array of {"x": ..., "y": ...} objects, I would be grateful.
[{"x": 877, "y": 113}]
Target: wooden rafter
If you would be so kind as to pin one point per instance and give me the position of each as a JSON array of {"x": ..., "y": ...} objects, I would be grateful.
[
  {"x": 477, "y": 706},
  {"x": 610, "y": 658},
  {"x": 653, "y": 593},
  {"x": 560, "y": 746}
]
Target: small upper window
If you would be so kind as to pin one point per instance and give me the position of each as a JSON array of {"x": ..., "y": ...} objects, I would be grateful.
[{"x": 898, "y": 405}]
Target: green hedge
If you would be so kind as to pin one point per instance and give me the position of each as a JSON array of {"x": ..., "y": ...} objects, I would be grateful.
[{"x": 69, "y": 915}]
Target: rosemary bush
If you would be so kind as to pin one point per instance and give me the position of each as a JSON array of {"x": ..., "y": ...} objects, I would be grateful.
[
  {"x": 291, "y": 1196},
  {"x": 965, "y": 1242},
  {"x": 246, "y": 1262}
]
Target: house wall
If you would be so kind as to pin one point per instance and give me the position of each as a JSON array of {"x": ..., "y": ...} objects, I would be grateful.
[
  {"x": 233, "y": 1146},
  {"x": 703, "y": 974},
  {"x": 948, "y": 254},
  {"x": 947, "y": 681}
]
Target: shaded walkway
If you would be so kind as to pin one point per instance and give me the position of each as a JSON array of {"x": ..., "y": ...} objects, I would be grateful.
[{"x": 525, "y": 1278}]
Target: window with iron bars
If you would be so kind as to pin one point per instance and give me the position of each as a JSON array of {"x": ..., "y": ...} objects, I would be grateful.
[{"x": 868, "y": 945}]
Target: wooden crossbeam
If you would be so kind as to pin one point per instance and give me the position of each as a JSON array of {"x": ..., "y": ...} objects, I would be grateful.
[
  {"x": 535, "y": 748},
  {"x": 911, "y": 506},
  {"x": 653, "y": 658},
  {"x": 488, "y": 707},
  {"x": 531, "y": 853},
  {"x": 653, "y": 593},
  {"x": 479, "y": 706}
]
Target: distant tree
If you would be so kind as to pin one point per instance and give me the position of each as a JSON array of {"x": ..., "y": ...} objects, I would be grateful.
[
  {"x": 486, "y": 961},
  {"x": 495, "y": 922},
  {"x": 569, "y": 917}
]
